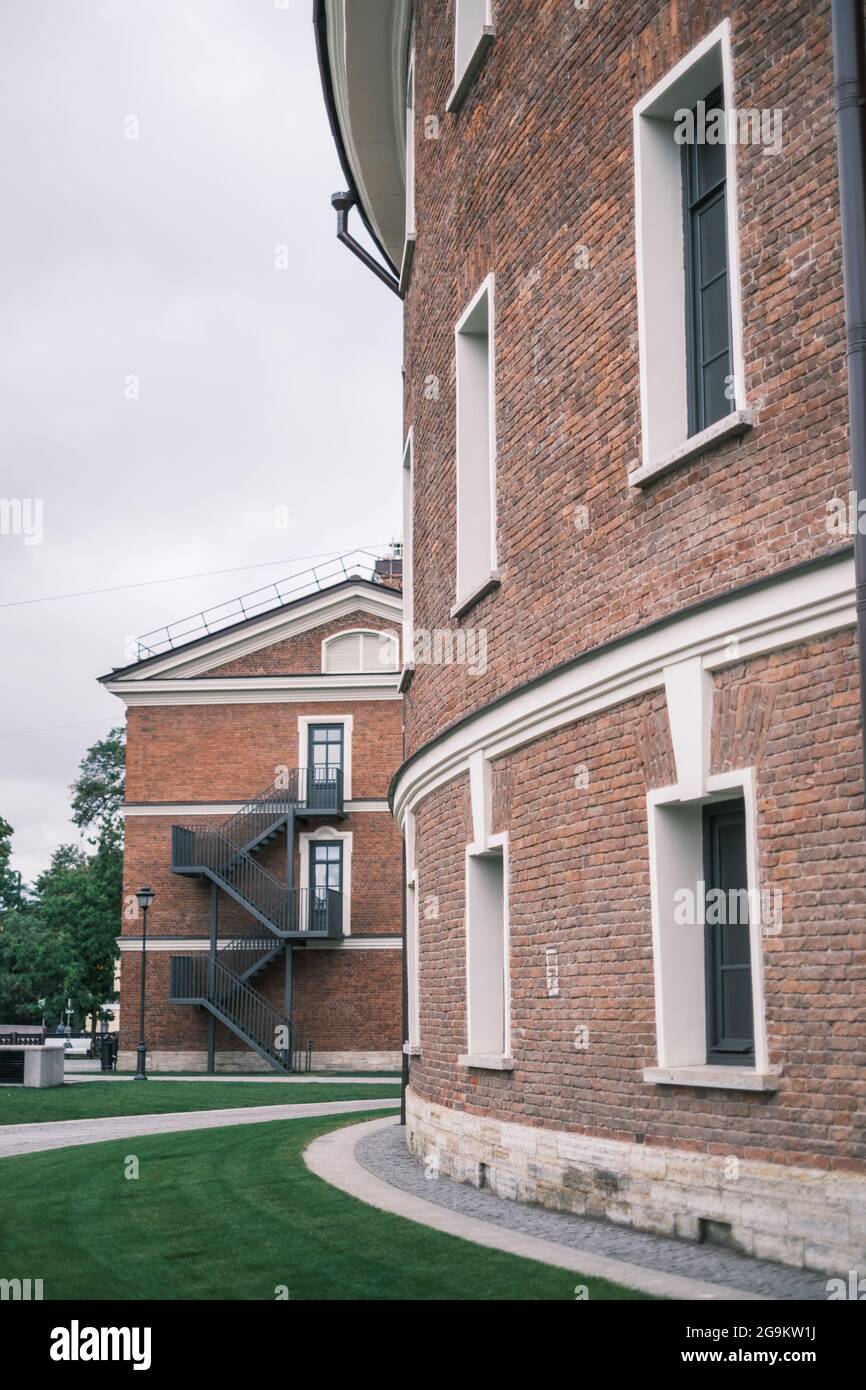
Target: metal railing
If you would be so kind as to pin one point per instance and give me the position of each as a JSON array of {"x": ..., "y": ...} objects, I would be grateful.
[
  {"x": 201, "y": 979},
  {"x": 302, "y": 788},
  {"x": 355, "y": 564},
  {"x": 287, "y": 911}
]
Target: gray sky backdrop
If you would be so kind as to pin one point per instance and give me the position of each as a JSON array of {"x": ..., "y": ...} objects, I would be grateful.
[{"x": 260, "y": 388}]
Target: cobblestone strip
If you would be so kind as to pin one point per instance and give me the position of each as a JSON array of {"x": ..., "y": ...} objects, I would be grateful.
[{"x": 382, "y": 1152}]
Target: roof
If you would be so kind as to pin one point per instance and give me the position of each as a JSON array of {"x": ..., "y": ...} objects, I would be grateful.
[
  {"x": 362, "y": 52},
  {"x": 354, "y": 586}
]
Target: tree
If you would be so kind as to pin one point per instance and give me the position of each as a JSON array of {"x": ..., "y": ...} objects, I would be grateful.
[
  {"x": 60, "y": 942},
  {"x": 10, "y": 881},
  {"x": 97, "y": 792}
]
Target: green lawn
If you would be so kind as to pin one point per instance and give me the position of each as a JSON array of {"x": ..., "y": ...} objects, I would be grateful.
[
  {"x": 235, "y": 1214},
  {"x": 93, "y": 1100}
]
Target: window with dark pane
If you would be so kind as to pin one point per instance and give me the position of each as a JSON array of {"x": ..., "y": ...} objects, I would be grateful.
[
  {"x": 730, "y": 1027},
  {"x": 326, "y": 872},
  {"x": 708, "y": 308}
]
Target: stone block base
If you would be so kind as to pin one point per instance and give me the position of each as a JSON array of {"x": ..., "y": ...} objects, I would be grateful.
[{"x": 803, "y": 1217}]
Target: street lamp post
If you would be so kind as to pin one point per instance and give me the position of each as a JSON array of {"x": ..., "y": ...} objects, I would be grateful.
[{"x": 145, "y": 898}]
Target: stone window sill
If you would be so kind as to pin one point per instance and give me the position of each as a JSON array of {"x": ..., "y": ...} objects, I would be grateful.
[
  {"x": 718, "y": 1078},
  {"x": 478, "y": 1061},
  {"x": 487, "y": 586},
  {"x": 412, "y": 1049},
  {"x": 733, "y": 425},
  {"x": 473, "y": 65}
]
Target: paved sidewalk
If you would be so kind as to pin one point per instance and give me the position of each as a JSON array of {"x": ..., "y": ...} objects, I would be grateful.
[
  {"x": 62, "y": 1134},
  {"x": 371, "y": 1161},
  {"x": 376, "y": 1079},
  {"x": 333, "y": 1157}
]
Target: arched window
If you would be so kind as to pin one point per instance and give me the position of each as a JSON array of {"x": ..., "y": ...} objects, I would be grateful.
[{"x": 360, "y": 650}]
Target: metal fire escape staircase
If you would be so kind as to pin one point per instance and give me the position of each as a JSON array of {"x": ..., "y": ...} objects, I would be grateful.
[{"x": 225, "y": 853}]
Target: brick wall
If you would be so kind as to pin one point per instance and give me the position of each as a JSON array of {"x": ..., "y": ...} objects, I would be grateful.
[
  {"x": 580, "y": 881},
  {"x": 538, "y": 162},
  {"x": 231, "y": 752}
]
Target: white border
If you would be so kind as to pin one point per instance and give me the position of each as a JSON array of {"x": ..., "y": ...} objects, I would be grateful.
[
  {"x": 487, "y": 289},
  {"x": 384, "y": 634},
  {"x": 720, "y": 37},
  {"x": 327, "y": 832},
  {"x": 304, "y": 722}
]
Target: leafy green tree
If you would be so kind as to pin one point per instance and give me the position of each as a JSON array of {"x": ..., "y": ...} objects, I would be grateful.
[
  {"x": 59, "y": 942},
  {"x": 97, "y": 792},
  {"x": 10, "y": 881}
]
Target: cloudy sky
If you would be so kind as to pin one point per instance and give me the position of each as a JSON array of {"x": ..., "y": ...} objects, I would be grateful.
[{"x": 148, "y": 265}]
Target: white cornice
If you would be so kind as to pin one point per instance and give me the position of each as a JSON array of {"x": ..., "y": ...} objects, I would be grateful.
[
  {"x": 256, "y": 690},
  {"x": 269, "y": 629},
  {"x": 807, "y": 604}
]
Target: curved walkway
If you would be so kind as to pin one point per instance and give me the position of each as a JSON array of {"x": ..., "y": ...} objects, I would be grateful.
[
  {"x": 370, "y": 1162},
  {"x": 62, "y": 1134}
]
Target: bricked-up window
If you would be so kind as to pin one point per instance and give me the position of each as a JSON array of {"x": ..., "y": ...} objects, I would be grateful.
[
  {"x": 476, "y": 446},
  {"x": 359, "y": 651},
  {"x": 473, "y": 35},
  {"x": 485, "y": 955},
  {"x": 408, "y": 567},
  {"x": 708, "y": 313},
  {"x": 410, "y": 148},
  {"x": 730, "y": 1025}
]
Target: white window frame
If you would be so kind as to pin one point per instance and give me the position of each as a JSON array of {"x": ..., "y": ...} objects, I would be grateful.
[
  {"x": 472, "y": 43},
  {"x": 491, "y": 1059},
  {"x": 304, "y": 722},
  {"x": 486, "y": 844},
  {"x": 661, "y": 282},
  {"x": 413, "y": 1042},
  {"x": 676, "y": 861},
  {"x": 483, "y": 540},
  {"x": 361, "y": 632},
  {"x": 408, "y": 584},
  {"x": 327, "y": 832},
  {"x": 409, "y": 239}
]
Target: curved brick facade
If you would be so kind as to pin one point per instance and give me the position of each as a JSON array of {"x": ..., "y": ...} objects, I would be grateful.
[{"x": 573, "y": 786}]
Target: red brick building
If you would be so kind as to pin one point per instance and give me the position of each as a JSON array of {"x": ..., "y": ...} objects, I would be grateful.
[
  {"x": 258, "y": 758},
  {"x": 632, "y": 797}
]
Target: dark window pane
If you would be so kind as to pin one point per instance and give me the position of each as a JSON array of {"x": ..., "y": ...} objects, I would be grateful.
[{"x": 716, "y": 403}]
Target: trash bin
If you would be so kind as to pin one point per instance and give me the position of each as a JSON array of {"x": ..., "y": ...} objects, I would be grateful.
[{"x": 106, "y": 1047}]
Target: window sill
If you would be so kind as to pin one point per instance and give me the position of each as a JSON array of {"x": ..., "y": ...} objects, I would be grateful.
[
  {"x": 408, "y": 258},
  {"x": 486, "y": 1062},
  {"x": 487, "y": 586},
  {"x": 406, "y": 677},
  {"x": 717, "y": 1078},
  {"x": 412, "y": 1049},
  {"x": 733, "y": 425},
  {"x": 467, "y": 77}
]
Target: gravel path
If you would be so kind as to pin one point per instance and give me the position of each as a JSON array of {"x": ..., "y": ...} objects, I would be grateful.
[
  {"x": 383, "y": 1154},
  {"x": 62, "y": 1134}
]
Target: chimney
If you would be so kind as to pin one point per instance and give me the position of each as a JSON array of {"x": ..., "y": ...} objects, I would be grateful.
[{"x": 390, "y": 570}]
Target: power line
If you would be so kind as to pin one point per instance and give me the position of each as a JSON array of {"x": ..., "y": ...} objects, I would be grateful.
[
  {"x": 49, "y": 728},
  {"x": 178, "y": 578}
]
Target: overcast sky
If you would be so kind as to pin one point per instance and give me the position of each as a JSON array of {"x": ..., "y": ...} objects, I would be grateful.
[{"x": 154, "y": 258}]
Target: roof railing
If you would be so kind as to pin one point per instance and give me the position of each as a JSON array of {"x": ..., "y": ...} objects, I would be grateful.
[{"x": 356, "y": 564}]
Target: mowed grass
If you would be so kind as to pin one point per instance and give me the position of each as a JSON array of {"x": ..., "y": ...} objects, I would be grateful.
[
  {"x": 235, "y": 1214},
  {"x": 99, "y": 1099}
]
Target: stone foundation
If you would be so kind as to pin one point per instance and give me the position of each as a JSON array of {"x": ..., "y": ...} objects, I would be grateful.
[
  {"x": 234, "y": 1061},
  {"x": 798, "y": 1216}
]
